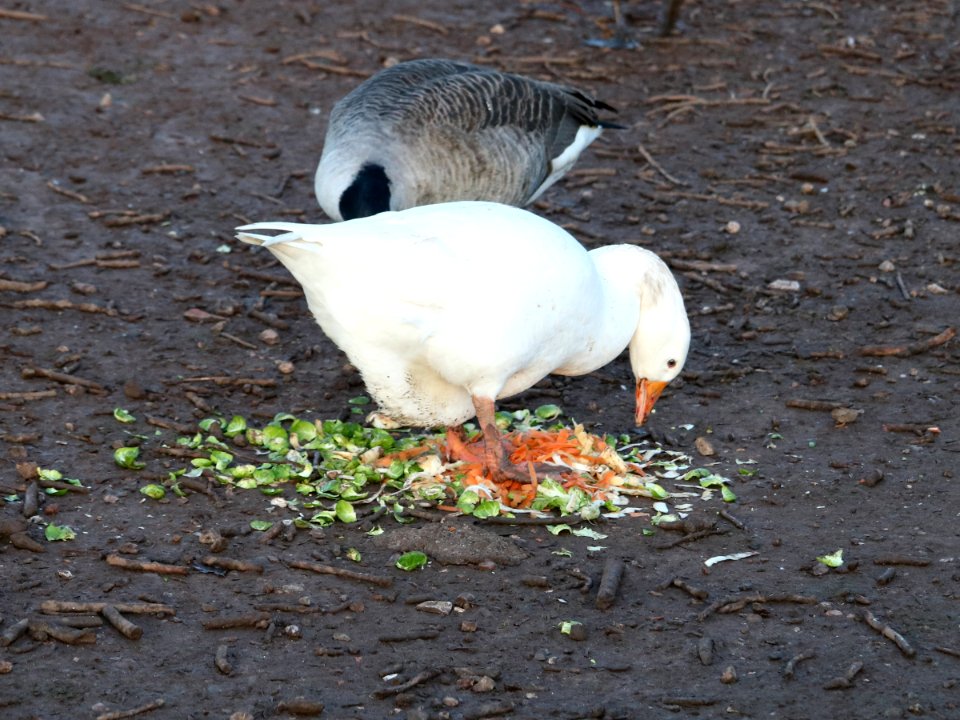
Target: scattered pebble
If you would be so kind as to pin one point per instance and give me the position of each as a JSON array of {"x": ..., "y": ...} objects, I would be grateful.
[
  {"x": 886, "y": 266},
  {"x": 784, "y": 285},
  {"x": 437, "y": 607},
  {"x": 704, "y": 447},
  {"x": 844, "y": 416},
  {"x": 269, "y": 337},
  {"x": 732, "y": 227},
  {"x": 285, "y": 367},
  {"x": 729, "y": 675},
  {"x": 838, "y": 312},
  {"x": 484, "y": 684}
]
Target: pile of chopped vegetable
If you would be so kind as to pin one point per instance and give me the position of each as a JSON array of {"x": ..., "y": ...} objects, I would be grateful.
[{"x": 338, "y": 469}]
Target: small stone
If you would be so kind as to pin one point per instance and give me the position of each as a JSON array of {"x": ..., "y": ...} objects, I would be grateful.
[
  {"x": 484, "y": 683},
  {"x": 704, "y": 447},
  {"x": 705, "y": 650},
  {"x": 844, "y": 416},
  {"x": 807, "y": 188},
  {"x": 732, "y": 227},
  {"x": 285, "y": 367},
  {"x": 784, "y": 285},
  {"x": 578, "y": 632},
  {"x": 729, "y": 675},
  {"x": 133, "y": 390},
  {"x": 468, "y": 626},
  {"x": 936, "y": 289},
  {"x": 82, "y": 288},
  {"x": 450, "y": 701},
  {"x": 269, "y": 337},
  {"x": 886, "y": 266},
  {"x": 838, "y": 312},
  {"x": 437, "y": 607}
]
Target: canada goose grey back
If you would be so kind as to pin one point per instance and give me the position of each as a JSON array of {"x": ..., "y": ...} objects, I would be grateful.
[{"x": 430, "y": 131}]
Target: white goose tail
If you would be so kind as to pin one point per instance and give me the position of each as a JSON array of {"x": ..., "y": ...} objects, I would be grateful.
[{"x": 290, "y": 233}]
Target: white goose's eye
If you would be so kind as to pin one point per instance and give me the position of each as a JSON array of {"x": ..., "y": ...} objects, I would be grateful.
[{"x": 671, "y": 363}]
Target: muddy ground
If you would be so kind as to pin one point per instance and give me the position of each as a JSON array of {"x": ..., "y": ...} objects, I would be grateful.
[{"x": 795, "y": 161}]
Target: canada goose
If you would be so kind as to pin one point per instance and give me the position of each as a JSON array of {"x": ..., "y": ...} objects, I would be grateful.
[
  {"x": 430, "y": 131},
  {"x": 408, "y": 296}
]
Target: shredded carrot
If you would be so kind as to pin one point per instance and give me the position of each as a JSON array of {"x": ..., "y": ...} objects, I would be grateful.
[
  {"x": 407, "y": 454},
  {"x": 564, "y": 448}
]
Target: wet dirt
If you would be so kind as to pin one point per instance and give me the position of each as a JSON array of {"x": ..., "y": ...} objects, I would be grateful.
[{"x": 796, "y": 163}]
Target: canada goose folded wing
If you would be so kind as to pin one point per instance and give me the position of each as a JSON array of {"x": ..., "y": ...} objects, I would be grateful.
[{"x": 429, "y": 131}]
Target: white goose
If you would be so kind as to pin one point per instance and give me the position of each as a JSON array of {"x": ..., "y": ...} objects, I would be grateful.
[
  {"x": 431, "y": 131},
  {"x": 420, "y": 303}
]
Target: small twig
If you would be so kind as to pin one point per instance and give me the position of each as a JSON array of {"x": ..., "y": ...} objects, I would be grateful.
[
  {"x": 59, "y": 485},
  {"x": 43, "y": 304},
  {"x": 146, "y": 565},
  {"x": 901, "y": 560},
  {"x": 33, "y": 372},
  {"x": 817, "y": 405},
  {"x": 225, "y": 380},
  {"x": 22, "y": 287},
  {"x": 167, "y": 169},
  {"x": 40, "y": 628},
  {"x": 12, "y": 632},
  {"x": 609, "y": 583},
  {"x": 681, "y": 702},
  {"x": 846, "y": 681},
  {"x": 403, "y": 687},
  {"x": 128, "y": 629},
  {"x": 342, "y": 572},
  {"x": 902, "y": 287},
  {"x": 889, "y": 633},
  {"x": 22, "y": 15},
  {"x": 658, "y": 167},
  {"x": 300, "y": 706},
  {"x": 233, "y": 564},
  {"x": 791, "y": 666},
  {"x": 260, "y": 620},
  {"x": 27, "y": 396},
  {"x": 53, "y": 607},
  {"x": 221, "y": 661},
  {"x": 701, "y": 265},
  {"x": 729, "y": 605},
  {"x": 691, "y": 537},
  {"x": 947, "y": 651},
  {"x": 120, "y": 714},
  {"x": 271, "y": 533},
  {"x": 410, "y": 635},
  {"x": 691, "y": 590},
  {"x": 236, "y": 340},
  {"x": 137, "y": 219},
  {"x": 428, "y": 24},
  {"x": 912, "y": 349},
  {"x": 739, "y": 524},
  {"x": 79, "y": 197}
]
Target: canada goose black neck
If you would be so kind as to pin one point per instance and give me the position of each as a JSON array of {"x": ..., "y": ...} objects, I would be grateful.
[{"x": 368, "y": 195}]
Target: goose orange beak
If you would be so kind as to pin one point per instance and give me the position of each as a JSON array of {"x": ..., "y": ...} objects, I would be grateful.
[{"x": 647, "y": 393}]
